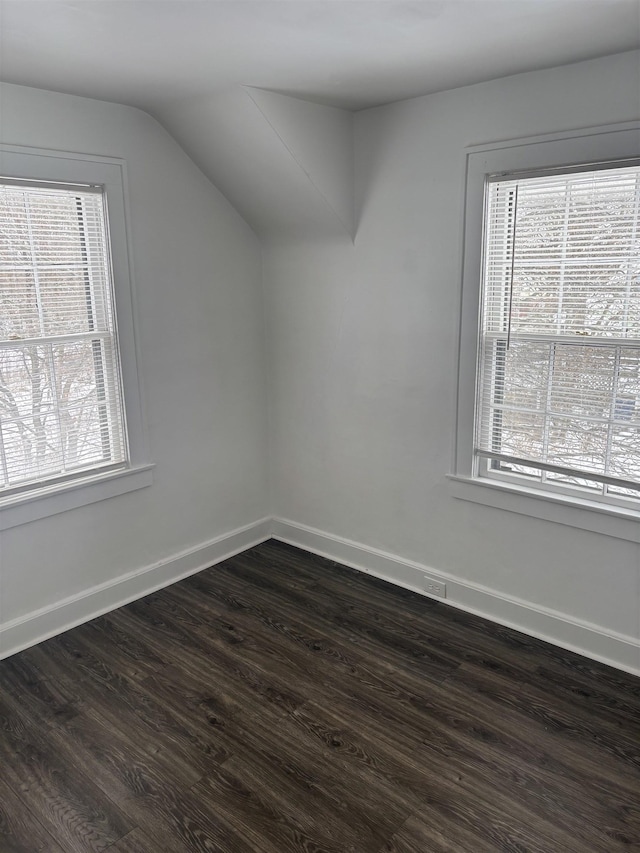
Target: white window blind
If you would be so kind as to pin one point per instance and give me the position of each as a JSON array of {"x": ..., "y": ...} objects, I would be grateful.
[
  {"x": 61, "y": 411},
  {"x": 558, "y": 399}
]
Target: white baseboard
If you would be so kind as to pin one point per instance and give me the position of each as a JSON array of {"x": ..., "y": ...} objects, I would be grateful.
[
  {"x": 593, "y": 641},
  {"x": 48, "y": 621},
  {"x": 584, "y": 638}
]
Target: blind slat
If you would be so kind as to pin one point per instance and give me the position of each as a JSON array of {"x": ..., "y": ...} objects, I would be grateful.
[
  {"x": 61, "y": 407},
  {"x": 559, "y": 360}
]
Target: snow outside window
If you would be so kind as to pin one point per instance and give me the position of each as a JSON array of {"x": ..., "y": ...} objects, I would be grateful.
[
  {"x": 61, "y": 410},
  {"x": 558, "y": 375}
]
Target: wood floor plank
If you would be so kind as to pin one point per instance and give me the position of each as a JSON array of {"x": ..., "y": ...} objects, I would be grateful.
[
  {"x": 348, "y": 585},
  {"x": 309, "y": 648},
  {"x": 500, "y": 752},
  {"x": 249, "y": 805},
  {"x": 372, "y": 629},
  {"x": 434, "y": 833},
  {"x": 327, "y": 639},
  {"x": 470, "y": 771},
  {"x": 428, "y": 637},
  {"x": 281, "y": 703},
  {"x": 137, "y": 841},
  {"x": 305, "y": 569},
  {"x": 68, "y": 804},
  {"x": 20, "y": 831},
  {"x": 126, "y": 703},
  {"x": 55, "y": 699},
  {"x": 227, "y": 660},
  {"x": 128, "y": 654},
  {"x": 319, "y": 821},
  {"x": 555, "y": 712},
  {"x": 122, "y": 765},
  {"x": 314, "y": 775},
  {"x": 619, "y": 706}
]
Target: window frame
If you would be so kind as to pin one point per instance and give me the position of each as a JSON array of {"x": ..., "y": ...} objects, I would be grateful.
[
  {"x": 31, "y": 164},
  {"x": 557, "y": 151}
]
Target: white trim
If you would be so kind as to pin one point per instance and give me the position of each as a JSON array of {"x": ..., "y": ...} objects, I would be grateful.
[
  {"x": 576, "y": 635},
  {"x": 42, "y": 624},
  {"x": 59, "y": 497},
  {"x": 604, "y": 518},
  {"x": 39, "y": 164},
  {"x": 609, "y": 647},
  {"x": 569, "y": 148}
]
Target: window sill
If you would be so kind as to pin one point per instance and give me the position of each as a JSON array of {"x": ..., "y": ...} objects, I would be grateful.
[
  {"x": 560, "y": 509},
  {"x": 50, "y": 501}
]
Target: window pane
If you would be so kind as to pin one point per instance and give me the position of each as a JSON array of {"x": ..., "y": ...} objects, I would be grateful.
[
  {"x": 559, "y": 361},
  {"x": 56, "y": 228},
  {"x": 578, "y": 445},
  {"x": 567, "y": 249},
  {"x": 15, "y": 248},
  {"x": 625, "y": 452},
  {"x": 25, "y": 382},
  {"x": 18, "y": 305},
  {"x": 526, "y": 369},
  {"x": 55, "y": 407},
  {"x": 65, "y": 298},
  {"x": 521, "y": 435},
  {"x": 60, "y": 400},
  {"x": 626, "y": 406},
  {"x": 583, "y": 380},
  {"x": 31, "y": 449}
]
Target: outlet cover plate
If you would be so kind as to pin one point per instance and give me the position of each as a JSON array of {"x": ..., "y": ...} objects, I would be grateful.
[{"x": 433, "y": 586}]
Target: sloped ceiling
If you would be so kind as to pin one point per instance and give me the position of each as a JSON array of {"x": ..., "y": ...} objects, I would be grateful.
[
  {"x": 286, "y": 164},
  {"x": 261, "y": 92}
]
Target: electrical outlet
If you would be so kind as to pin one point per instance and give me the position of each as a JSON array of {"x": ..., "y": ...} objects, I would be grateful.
[{"x": 433, "y": 586}]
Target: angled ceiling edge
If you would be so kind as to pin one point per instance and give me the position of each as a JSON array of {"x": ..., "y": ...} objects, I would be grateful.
[{"x": 286, "y": 167}]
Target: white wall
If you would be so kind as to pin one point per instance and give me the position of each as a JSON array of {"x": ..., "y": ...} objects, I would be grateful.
[
  {"x": 285, "y": 164},
  {"x": 200, "y": 312},
  {"x": 363, "y": 356},
  {"x": 320, "y": 140}
]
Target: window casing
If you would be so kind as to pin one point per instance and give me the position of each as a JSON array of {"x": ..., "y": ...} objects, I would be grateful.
[
  {"x": 558, "y": 383},
  {"x": 471, "y": 477},
  {"x": 99, "y": 308},
  {"x": 61, "y": 412}
]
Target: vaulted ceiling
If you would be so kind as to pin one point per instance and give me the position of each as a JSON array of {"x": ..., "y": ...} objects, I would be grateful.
[{"x": 260, "y": 93}]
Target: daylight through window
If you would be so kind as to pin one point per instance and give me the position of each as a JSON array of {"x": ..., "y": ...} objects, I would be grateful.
[
  {"x": 61, "y": 412},
  {"x": 558, "y": 387}
]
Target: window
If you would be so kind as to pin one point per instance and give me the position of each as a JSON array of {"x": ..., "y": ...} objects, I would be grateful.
[
  {"x": 61, "y": 410},
  {"x": 548, "y": 405},
  {"x": 68, "y": 364},
  {"x": 558, "y": 399}
]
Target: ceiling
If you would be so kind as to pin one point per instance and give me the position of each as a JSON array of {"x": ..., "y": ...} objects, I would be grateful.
[
  {"x": 347, "y": 53},
  {"x": 261, "y": 94}
]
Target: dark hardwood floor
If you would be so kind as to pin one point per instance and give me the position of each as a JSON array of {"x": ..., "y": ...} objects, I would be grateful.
[{"x": 280, "y": 703}]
